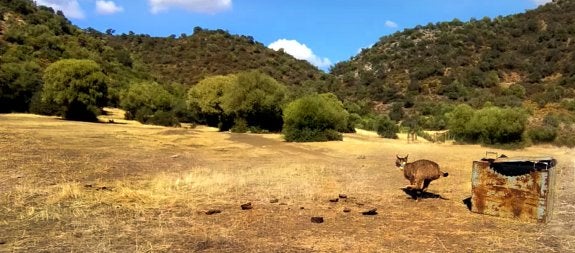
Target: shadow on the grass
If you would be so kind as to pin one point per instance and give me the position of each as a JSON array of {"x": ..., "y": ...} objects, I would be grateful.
[{"x": 417, "y": 194}]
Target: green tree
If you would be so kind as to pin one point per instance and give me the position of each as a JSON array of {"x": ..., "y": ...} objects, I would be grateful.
[
  {"x": 18, "y": 84},
  {"x": 314, "y": 118},
  {"x": 458, "y": 121},
  {"x": 250, "y": 99},
  {"x": 396, "y": 113},
  {"x": 386, "y": 127},
  {"x": 489, "y": 125},
  {"x": 206, "y": 99},
  {"x": 79, "y": 87},
  {"x": 149, "y": 103},
  {"x": 257, "y": 99}
]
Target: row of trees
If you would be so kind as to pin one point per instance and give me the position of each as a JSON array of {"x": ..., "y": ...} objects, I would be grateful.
[
  {"x": 252, "y": 101},
  {"x": 247, "y": 101}
]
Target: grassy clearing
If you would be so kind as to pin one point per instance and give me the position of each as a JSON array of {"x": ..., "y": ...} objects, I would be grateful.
[{"x": 72, "y": 186}]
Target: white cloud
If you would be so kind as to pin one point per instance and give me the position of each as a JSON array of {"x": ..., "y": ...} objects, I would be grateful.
[
  {"x": 541, "y": 2},
  {"x": 300, "y": 51},
  {"x": 107, "y": 7},
  {"x": 202, "y": 6},
  {"x": 390, "y": 24},
  {"x": 71, "y": 8}
]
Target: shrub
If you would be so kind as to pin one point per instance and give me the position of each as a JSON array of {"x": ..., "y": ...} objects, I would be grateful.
[
  {"x": 309, "y": 135},
  {"x": 314, "y": 118},
  {"x": 38, "y": 106},
  {"x": 565, "y": 136},
  {"x": 490, "y": 125},
  {"x": 568, "y": 104},
  {"x": 240, "y": 126},
  {"x": 163, "y": 118},
  {"x": 542, "y": 134},
  {"x": 149, "y": 103},
  {"x": 396, "y": 112},
  {"x": 18, "y": 84},
  {"x": 386, "y": 128}
]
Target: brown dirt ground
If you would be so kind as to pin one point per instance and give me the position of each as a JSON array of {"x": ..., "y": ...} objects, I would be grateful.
[{"x": 125, "y": 187}]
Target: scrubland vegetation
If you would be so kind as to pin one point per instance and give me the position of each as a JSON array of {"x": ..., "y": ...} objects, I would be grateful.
[{"x": 433, "y": 77}]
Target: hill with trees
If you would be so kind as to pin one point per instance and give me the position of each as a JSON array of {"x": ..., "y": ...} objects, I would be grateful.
[
  {"x": 147, "y": 76},
  {"x": 502, "y": 60},
  {"x": 491, "y": 81},
  {"x": 32, "y": 37},
  {"x": 187, "y": 59},
  {"x": 419, "y": 75}
]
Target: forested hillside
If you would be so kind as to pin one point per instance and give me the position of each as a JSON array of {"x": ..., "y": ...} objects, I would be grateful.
[
  {"x": 32, "y": 37},
  {"x": 189, "y": 58},
  {"x": 504, "y": 60},
  {"x": 486, "y": 72}
]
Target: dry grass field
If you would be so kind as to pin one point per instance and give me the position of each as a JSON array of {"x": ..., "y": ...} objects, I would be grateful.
[{"x": 125, "y": 187}]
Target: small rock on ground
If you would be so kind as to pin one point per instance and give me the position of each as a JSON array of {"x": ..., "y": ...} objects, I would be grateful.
[
  {"x": 247, "y": 206},
  {"x": 370, "y": 212},
  {"x": 317, "y": 219},
  {"x": 213, "y": 211}
]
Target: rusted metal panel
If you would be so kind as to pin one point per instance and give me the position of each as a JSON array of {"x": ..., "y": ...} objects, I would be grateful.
[{"x": 521, "y": 187}]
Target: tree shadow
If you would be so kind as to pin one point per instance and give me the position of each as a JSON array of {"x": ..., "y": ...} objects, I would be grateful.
[
  {"x": 96, "y": 121},
  {"x": 111, "y": 121},
  {"x": 417, "y": 194}
]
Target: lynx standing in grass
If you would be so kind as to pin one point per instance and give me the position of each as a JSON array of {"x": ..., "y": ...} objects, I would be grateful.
[{"x": 419, "y": 173}]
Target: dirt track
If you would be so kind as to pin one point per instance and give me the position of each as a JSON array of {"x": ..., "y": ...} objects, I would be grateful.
[{"x": 70, "y": 186}]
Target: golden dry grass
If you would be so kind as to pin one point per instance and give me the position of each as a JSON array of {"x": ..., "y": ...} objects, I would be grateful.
[{"x": 126, "y": 187}]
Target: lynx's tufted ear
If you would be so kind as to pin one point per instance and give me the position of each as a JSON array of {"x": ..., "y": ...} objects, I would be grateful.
[{"x": 396, "y": 155}]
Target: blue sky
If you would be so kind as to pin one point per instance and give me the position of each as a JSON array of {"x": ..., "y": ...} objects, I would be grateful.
[{"x": 323, "y": 32}]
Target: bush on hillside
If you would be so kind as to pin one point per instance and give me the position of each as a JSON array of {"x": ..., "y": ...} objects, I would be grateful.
[{"x": 542, "y": 134}]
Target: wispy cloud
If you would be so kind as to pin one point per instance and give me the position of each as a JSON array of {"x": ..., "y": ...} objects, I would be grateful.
[
  {"x": 107, "y": 7},
  {"x": 201, "y": 6},
  {"x": 541, "y": 2},
  {"x": 70, "y": 8},
  {"x": 300, "y": 51},
  {"x": 390, "y": 24}
]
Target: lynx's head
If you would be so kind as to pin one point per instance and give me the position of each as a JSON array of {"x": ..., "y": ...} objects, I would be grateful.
[{"x": 400, "y": 162}]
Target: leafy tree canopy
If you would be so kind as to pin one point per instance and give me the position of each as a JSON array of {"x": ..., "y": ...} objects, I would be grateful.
[
  {"x": 78, "y": 86},
  {"x": 253, "y": 98},
  {"x": 489, "y": 125},
  {"x": 315, "y": 118},
  {"x": 143, "y": 101}
]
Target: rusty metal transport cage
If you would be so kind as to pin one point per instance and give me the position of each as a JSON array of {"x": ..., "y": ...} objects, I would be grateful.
[{"x": 522, "y": 188}]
